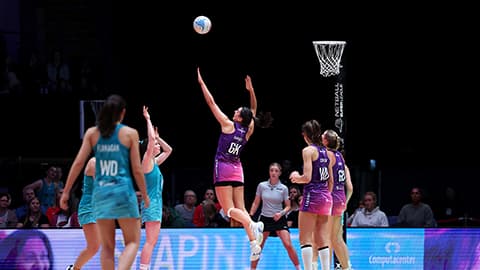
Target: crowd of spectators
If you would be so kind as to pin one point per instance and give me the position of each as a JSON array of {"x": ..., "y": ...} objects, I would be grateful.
[
  {"x": 37, "y": 207},
  {"x": 56, "y": 75}
]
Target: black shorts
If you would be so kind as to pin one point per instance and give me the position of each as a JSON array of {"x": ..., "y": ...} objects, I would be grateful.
[
  {"x": 273, "y": 226},
  {"x": 228, "y": 183}
]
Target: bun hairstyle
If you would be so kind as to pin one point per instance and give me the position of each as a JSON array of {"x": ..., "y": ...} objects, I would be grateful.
[{"x": 332, "y": 138}]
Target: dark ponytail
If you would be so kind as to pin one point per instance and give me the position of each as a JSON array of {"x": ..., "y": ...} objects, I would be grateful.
[{"x": 110, "y": 114}]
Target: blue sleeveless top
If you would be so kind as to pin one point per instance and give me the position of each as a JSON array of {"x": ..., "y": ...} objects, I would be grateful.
[
  {"x": 85, "y": 205},
  {"x": 154, "y": 183},
  {"x": 112, "y": 160},
  {"x": 113, "y": 193}
]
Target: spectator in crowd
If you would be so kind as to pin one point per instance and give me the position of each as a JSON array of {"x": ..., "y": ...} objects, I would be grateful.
[
  {"x": 28, "y": 194},
  {"x": 359, "y": 209},
  {"x": 55, "y": 208},
  {"x": 11, "y": 82},
  {"x": 416, "y": 214},
  {"x": 60, "y": 218},
  {"x": 8, "y": 218},
  {"x": 449, "y": 209},
  {"x": 35, "y": 75},
  {"x": 295, "y": 196},
  {"x": 186, "y": 209},
  {"x": 59, "y": 176},
  {"x": 66, "y": 218},
  {"x": 199, "y": 213},
  {"x": 171, "y": 218},
  {"x": 58, "y": 72},
  {"x": 45, "y": 188},
  {"x": 213, "y": 217},
  {"x": 370, "y": 215},
  {"x": 34, "y": 217},
  {"x": 88, "y": 78}
]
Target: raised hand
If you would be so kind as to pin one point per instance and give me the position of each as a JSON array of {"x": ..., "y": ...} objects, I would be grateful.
[
  {"x": 199, "y": 76},
  {"x": 248, "y": 83},
  {"x": 146, "y": 114}
]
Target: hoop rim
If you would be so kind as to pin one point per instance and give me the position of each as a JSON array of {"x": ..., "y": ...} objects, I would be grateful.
[{"x": 329, "y": 42}]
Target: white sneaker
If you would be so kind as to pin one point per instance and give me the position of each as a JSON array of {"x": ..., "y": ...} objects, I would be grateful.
[
  {"x": 70, "y": 267},
  {"x": 257, "y": 228},
  {"x": 339, "y": 267},
  {"x": 255, "y": 251}
]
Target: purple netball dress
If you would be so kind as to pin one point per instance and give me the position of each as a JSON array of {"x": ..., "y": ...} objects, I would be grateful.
[
  {"x": 338, "y": 192},
  {"x": 316, "y": 197},
  {"x": 228, "y": 166}
]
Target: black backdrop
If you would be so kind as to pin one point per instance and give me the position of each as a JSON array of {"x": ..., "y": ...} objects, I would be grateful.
[{"x": 408, "y": 90}]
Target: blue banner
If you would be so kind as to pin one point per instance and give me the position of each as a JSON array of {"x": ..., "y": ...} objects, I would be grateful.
[{"x": 375, "y": 248}]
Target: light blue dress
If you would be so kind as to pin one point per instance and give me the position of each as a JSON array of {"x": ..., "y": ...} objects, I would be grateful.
[
  {"x": 85, "y": 208},
  {"x": 113, "y": 193},
  {"x": 154, "y": 181}
]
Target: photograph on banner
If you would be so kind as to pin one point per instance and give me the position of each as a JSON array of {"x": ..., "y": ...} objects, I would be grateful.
[
  {"x": 452, "y": 248},
  {"x": 25, "y": 249}
]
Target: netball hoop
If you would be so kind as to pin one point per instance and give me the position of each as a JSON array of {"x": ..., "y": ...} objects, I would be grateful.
[
  {"x": 88, "y": 113},
  {"x": 329, "y": 54}
]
